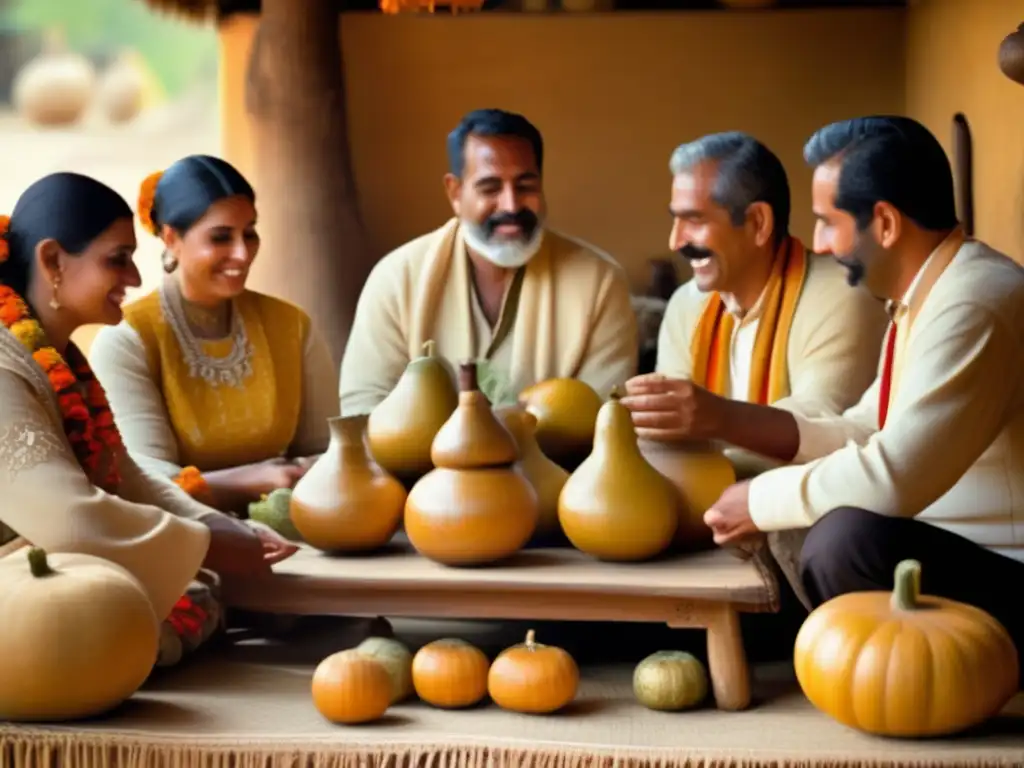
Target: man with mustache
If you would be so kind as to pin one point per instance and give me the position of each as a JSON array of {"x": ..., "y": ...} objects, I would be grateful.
[
  {"x": 929, "y": 465},
  {"x": 493, "y": 283},
  {"x": 764, "y": 327}
]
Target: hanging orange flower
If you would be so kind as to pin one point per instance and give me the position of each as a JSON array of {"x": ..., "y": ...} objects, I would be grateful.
[
  {"x": 147, "y": 196},
  {"x": 5, "y": 249},
  {"x": 457, "y": 6}
]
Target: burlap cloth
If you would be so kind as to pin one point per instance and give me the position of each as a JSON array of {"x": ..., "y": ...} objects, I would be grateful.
[{"x": 248, "y": 706}]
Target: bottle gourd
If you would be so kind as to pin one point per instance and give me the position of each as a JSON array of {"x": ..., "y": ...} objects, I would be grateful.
[
  {"x": 476, "y": 506},
  {"x": 346, "y": 502},
  {"x": 616, "y": 506},
  {"x": 546, "y": 477},
  {"x": 403, "y": 425}
]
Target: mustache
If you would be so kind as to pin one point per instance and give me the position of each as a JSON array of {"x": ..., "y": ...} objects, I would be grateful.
[
  {"x": 525, "y": 219},
  {"x": 695, "y": 252}
]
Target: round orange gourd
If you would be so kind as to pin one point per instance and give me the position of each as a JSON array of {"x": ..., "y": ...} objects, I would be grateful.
[
  {"x": 903, "y": 664},
  {"x": 349, "y": 687},
  {"x": 533, "y": 678},
  {"x": 79, "y": 636},
  {"x": 450, "y": 673}
]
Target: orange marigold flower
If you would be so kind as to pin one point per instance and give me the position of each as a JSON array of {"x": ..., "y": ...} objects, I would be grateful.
[
  {"x": 147, "y": 195},
  {"x": 61, "y": 378},
  {"x": 47, "y": 358},
  {"x": 12, "y": 308},
  {"x": 5, "y": 249},
  {"x": 192, "y": 482}
]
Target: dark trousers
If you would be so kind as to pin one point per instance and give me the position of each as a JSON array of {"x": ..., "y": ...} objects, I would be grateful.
[{"x": 851, "y": 550}]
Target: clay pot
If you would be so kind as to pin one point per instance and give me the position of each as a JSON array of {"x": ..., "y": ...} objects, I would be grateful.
[
  {"x": 346, "y": 502},
  {"x": 1011, "y": 55},
  {"x": 55, "y": 87},
  {"x": 120, "y": 90},
  {"x": 700, "y": 474}
]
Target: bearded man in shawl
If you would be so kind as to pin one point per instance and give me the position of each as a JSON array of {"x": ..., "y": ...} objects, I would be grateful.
[{"x": 493, "y": 284}]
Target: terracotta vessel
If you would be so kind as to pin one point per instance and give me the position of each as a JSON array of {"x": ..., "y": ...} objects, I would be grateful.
[
  {"x": 477, "y": 506},
  {"x": 346, "y": 502},
  {"x": 700, "y": 473}
]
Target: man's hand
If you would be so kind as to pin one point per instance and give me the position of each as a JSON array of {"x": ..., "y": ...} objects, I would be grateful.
[
  {"x": 729, "y": 517},
  {"x": 667, "y": 410},
  {"x": 235, "y": 549}
]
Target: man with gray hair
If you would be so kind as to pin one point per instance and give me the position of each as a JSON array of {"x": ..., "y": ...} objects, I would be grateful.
[{"x": 764, "y": 326}]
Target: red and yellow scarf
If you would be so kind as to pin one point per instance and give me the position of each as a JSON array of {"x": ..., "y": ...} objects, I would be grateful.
[{"x": 769, "y": 373}]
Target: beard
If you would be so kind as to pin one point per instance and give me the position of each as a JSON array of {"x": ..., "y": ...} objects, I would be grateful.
[{"x": 505, "y": 252}]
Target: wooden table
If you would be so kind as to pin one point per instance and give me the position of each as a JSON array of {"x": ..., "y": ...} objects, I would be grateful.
[{"x": 705, "y": 590}]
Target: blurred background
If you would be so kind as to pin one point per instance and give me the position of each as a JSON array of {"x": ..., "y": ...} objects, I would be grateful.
[{"x": 104, "y": 87}]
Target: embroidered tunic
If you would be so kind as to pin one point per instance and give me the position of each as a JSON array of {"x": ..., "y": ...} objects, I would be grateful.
[{"x": 266, "y": 390}]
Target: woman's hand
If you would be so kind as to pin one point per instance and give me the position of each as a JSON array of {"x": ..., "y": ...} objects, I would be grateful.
[
  {"x": 235, "y": 548},
  {"x": 275, "y": 547}
]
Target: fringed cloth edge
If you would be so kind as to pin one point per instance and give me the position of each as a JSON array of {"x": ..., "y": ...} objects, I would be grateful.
[{"x": 38, "y": 748}]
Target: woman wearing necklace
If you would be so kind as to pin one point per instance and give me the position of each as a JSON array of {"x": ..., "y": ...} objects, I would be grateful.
[
  {"x": 66, "y": 480},
  {"x": 226, "y": 390}
]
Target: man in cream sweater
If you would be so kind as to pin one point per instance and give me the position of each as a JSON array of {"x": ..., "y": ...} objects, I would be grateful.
[
  {"x": 763, "y": 325},
  {"x": 494, "y": 283},
  {"x": 929, "y": 464}
]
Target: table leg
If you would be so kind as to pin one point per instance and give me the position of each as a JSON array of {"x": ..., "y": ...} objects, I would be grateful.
[{"x": 727, "y": 659}]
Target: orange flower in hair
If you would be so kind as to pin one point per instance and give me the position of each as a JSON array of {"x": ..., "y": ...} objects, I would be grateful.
[
  {"x": 147, "y": 196},
  {"x": 5, "y": 249}
]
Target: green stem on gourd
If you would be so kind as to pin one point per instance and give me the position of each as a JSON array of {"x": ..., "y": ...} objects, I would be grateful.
[
  {"x": 38, "y": 563},
  {"x": 907, "y": 586},
  {"x": 428, "y": 348}
]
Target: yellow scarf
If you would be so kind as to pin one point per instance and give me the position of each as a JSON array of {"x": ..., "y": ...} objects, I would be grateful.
[{"x": 769, "y": 372}]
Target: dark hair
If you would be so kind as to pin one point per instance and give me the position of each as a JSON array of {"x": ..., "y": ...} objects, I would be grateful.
[
  {"x": 67, "y": 207},
  {"x": 190, "y": 186},
  {"x": 491, "y": 122},
  {"x": 748, "y": 172},
  {"x": 891, "y": 159}
]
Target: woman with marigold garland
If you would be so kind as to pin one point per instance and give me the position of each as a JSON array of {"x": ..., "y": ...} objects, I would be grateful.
[
  {"x": 67, "y": 482},
  {"x": 226, "y": 390}
]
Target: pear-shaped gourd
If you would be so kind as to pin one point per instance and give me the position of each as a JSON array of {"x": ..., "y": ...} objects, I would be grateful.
[
  {"x": 546, "y": 477},
  {"x": 477, "y": 506},
  {"x": 403, "y": 425},
  {"x": 700, "y": 474},
  {"x": 566, "y": 411},
  {"x": 616, "y": 506},
  {"x": 346, "y": 502}
]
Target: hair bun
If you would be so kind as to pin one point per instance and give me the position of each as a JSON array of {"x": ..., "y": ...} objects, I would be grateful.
[
  {"x": 147, "y": 196},
  {"x": 5, "y": 249}
]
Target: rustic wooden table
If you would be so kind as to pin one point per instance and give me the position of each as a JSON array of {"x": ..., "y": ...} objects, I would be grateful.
[{"x": 705, "y": 590}]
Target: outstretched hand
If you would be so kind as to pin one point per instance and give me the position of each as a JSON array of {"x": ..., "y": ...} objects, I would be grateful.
[
  {"x": 665, "y": 409},
  {"x": 729, "y": 517}
]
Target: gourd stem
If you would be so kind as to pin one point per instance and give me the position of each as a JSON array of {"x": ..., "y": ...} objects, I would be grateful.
[
  {"x": 37, "y": 562},
  {"x": 907, "y": 586},
  {"x": 429, "y": 348},
  {"x": 616, "y": 393},
  {"x": 531, "y": 639},
  {"x": 468, "y": 376}
]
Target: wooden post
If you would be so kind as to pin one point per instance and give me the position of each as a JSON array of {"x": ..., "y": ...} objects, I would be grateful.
[{"x": 314, "y": 249}]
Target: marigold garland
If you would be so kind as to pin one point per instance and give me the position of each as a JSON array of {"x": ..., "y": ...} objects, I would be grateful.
[
  {"x": 5, "y": 248},
  {"x": 147, "y": 196},
  {"x": 88, "y": 421}
]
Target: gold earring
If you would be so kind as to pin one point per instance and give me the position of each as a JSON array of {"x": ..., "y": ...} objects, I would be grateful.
[{"x": 55, "y": 302}]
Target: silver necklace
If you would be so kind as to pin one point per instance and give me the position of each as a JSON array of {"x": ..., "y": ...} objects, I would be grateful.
[{"x": 231, "y": 370}]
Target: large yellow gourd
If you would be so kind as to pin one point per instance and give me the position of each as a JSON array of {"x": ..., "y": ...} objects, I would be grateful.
[
  {"x": 616, "y": 506},
  {"x": 700, "y": 474},
  {"x": 79, "y": 636},
  {"x": 402, "y": 427},
  {"x": 346, "y": 502},
  {"x": 903, "y": 664},
  {"x": 566, "y": 411},
  {"x": 476, "y": 507}
]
